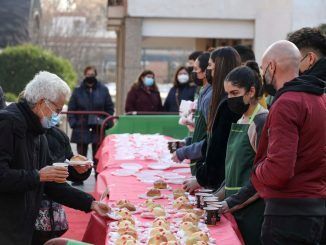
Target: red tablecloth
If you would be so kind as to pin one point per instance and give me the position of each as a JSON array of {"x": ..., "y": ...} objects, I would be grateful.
[{"x": 225, "y": 232}]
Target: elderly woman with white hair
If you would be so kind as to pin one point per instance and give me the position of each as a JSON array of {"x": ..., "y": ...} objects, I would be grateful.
[{"x": 25, "y": 170}]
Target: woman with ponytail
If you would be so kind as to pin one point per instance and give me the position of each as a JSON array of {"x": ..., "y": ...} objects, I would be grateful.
[
  {"x": 210, "y": 172},
  {"x": 243, "y": 88}
]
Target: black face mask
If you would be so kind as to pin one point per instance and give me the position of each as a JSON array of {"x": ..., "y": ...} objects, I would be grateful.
[
  {"x": 190, "y": 69},
  {"x": 237, "y": 105},
  {"x": 197, "y": 81},
  {"x": 90, "y": 80},
  {"x": 208, "y": 74},
  {"x": 268, "y": 87}
]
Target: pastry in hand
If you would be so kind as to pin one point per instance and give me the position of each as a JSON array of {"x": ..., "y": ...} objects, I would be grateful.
[
  {"x": 160, "y": 184},
  {"x": 153, "y": 193},
  {"x": 78, "y": 158},
  {"x": 126, "y": 204},
  {"x": 197, "y": 237}
]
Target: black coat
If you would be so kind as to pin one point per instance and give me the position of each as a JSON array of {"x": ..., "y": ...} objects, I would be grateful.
[
  {"x": 86, "y": 128},
  {"x": 176, "y": 94},
  {"x": 23, "y": 151},
  {"x": 211, "y": 172},
  {"x": 2, "y": 99},
  {"x": 60, "y": 150}
]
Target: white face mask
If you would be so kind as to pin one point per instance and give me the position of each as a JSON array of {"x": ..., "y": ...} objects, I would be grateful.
[{"x": 183, "y": 78}]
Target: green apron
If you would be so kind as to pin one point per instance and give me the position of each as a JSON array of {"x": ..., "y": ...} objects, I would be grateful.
[
  {"x": 238, "y": 165},
  {"x": 198, "y": 135}
]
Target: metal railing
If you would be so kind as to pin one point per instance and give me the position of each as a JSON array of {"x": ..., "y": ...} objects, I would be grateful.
[{"x": 106, "y": 120}]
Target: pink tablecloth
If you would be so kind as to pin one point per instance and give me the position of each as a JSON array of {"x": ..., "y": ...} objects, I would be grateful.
[{"x": 225, "y": 232}]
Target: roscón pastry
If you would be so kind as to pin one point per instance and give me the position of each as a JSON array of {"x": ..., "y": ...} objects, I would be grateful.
[
  {"x": 153, "y": 193},
  {"x": 128, "y": 231},
  {"x": 124, "y": 213},
  {"x": 125, "y": 223},
  {"x": 157, "y": 239},
  {"x": 158, "y": 212},
  {"x": 126, "y": 204},
  {"x": 160, "y": 184},
  {"x": 126, "y": 240},
  {"x": 178, "y": 193},
  {"x": 197, "y": 237},
  {"x": 161, "y": 222},
  {"x": 189, "y": 228},
  {"x": 78, "y": 158},
  {"x": 190, "y": 217}
]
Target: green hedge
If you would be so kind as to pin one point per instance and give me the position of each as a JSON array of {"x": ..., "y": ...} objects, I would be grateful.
[
  {"x": 19, "y": 64},
  {"x": 10, "y": 97}
]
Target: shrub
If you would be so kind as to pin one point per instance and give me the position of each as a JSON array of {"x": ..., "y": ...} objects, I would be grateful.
[
  {"x": 19, "y": 64},
  {"x": 10, "y": 97}
]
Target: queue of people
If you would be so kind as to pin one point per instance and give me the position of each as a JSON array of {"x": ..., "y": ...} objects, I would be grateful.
[{"x": 267, "y": 167}]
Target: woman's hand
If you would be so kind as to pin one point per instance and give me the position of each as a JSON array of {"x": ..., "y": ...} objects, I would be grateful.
[
  {"x": 190, "y": 185},
  {"x": 100, "y": 208},
  {"x": 225, "y": 207}
]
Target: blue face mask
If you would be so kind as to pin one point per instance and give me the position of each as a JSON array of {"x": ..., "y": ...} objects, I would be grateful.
[
  {"x": 148, "y": 81},
  {"x": 49, "y": 122},
  {"x": 55, "y": 120}
]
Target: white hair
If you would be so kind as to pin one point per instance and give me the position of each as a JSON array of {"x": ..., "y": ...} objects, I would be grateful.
[{"x": 46, "y": 85}]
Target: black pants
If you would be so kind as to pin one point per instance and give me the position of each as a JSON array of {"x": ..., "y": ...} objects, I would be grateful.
[
  {"x": 82, "y": 150},
  {"x": 292, "y": 230}
]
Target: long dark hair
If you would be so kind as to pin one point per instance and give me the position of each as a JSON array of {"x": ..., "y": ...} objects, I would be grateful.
[
  {"x": 246, "y": 77},
  {"x": 176, "y": 82},
  {"x": 139, "y": 82},
  {"x": 225, "y": 59}
]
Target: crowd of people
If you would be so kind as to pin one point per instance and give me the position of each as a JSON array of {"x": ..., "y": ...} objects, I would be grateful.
[{"x": 258, "y": 141}]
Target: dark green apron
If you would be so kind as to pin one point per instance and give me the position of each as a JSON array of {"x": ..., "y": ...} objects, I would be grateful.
[
  {"x": 238, "y": 164},
  {"x": 198, "y": 135}
]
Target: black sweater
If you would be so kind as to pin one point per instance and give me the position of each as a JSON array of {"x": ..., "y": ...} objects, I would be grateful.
[{"x": 211, "y": 172}]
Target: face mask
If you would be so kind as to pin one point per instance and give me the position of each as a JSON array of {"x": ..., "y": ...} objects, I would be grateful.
[
  {"x": 90, "y": 80},
  {"x": 268, "y": 87},
  {"x": 49, "y": 122},
  {"x": 208, "y": 74},
  {"x": 197, "y": 81},
  {"x": 183, "y": 78},
  {"x": 190, "y": 69},
  {"x": 237, "y": 105},
  {"x": 55, "y": 119},
  {"x": 148, "y": 81}
]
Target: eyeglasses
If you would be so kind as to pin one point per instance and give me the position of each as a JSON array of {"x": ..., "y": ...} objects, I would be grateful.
[
  {"x": 57, "y": 111},
  {"x": 304, "y": 57}
]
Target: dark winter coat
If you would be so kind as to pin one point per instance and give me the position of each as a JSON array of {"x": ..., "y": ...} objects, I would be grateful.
[
  {"x": 2, "y": 99},
  {"x": 141, "y": 99},
  {"x": 86, "y": 128},
  {"x": 60, "y": 150},
  {"x": 176, "y": 94},
  {"x": 211, "y": 172},
  {"x": 23, "y": 151}
]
